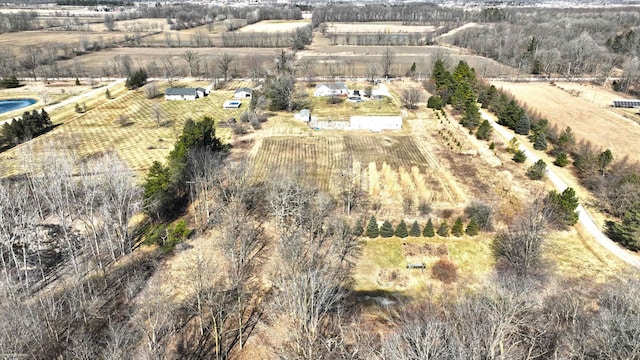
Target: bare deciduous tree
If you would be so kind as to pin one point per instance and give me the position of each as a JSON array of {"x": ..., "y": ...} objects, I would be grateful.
[{"x": 386, "y": 61}]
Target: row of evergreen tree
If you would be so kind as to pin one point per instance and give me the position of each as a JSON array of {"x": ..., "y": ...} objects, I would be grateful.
[
  {"x": 402, "y": 231},
  {"x": 459, "y": 89},
  {"x": 30, "y": 125}
]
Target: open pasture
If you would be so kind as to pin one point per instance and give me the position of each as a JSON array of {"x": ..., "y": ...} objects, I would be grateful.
[
  {"x": 343, "y": 111},
  {"x": 275, "y": 26},
  {"x": 584, "y": 108},
  {"x": 128, "y": 126},
  {"x": 386, "y": 27},
  {"x": 45, "y": 39},
  {"x": 388, "y": 167}
]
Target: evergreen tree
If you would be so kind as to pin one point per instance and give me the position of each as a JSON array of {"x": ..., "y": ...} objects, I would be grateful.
[
  {"x": 435, "y": 102},
  {"x": 357, "y": 229},
  {"x": 44, "y": 117},
  {"x": 471, "y": 116},
  {"x": 537, "y": 171},
  {"x": 519, "y": 156},
  {"x": 540, "y": 142},
  {"x": 472, "y": 228},
  {"x": 458, "y": 228},
  {"x": 107, "y": 94},
  {"x": 561, "y": 160},
  {"x": 604, "y": 159},
  {"x": 523, "y": 125},
  {"x": 428, "y": 229},
  {"x": 563, "y": 206},
  {"x": 9, "y": 82},
  {"x": 484, "y": 131},
  {"x": 415, "y": 229},
  {"x": 373, "y": 231},
  {"x": 137, "y": 79},
  {"x": 566, "y": 141},
  {"x": 443, "y": 230},
  {"x": 386, "y": 230},
  {"x": 401, "y": 230},
  {"x": 627, "y": 233},
  {"x": 77, "y": 81}
]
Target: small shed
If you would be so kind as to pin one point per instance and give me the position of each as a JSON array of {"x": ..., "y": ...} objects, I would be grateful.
[
  {"x": 328, "y": 89},
  {"x": 202, "y": 92},
  {"x": 304, "y": 115},
  {"x": 243, "y": 93},
  {"x": 376, "y": 123}
]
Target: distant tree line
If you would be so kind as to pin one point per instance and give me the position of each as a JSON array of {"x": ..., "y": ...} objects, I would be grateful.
[
  {"x": 406, "y": 13},
  {"x": 25, "y": 128},
  {"x": 569, "y": 42},
  {"x": 382, "y": 39},
  {"x": 19, "y": 21},
  {"x": 297, "y": 39}
]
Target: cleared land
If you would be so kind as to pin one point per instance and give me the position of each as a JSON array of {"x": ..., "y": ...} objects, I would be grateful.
[
  {"x": 388, "y": 27},
  {"x": 126, "y": 125},
  {"x": 584, "y": 108},
  {"x": 275, "y": 26}
]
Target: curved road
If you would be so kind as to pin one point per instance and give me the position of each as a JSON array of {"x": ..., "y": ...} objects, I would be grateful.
[{"x": 584, "y": 217}]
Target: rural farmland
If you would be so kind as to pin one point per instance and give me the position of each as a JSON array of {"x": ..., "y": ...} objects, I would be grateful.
[{"x": 319, "y": 181}]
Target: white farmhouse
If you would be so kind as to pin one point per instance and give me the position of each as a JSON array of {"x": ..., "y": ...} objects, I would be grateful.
[
  {"x": 185, "y": 93},
  {"x": 376, "y": 123},
  {"x": 328, "y": 89}
]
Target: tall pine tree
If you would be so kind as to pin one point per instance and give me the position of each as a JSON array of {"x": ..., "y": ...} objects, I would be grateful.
[
  {"x": 443, "y": 230},
  {"x": 458, "y": 228}
]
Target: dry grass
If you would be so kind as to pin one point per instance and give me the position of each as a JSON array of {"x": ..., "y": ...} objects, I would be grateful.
[
  {"x": 275, "y": 26},
  {"x": 384, "y": 261},
  {"x": 343, "y": 111},
  {"x": 140, "y": 141},
  {"x": 44, "y": 39},
  {"x": 387, "y": 27},
  {"x": 588, "y": 113}
]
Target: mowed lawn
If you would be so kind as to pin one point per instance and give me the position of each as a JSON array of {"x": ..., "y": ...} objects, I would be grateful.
[{"x": 128, "y": 125}]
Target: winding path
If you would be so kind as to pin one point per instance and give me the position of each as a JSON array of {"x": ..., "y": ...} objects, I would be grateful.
[{"x": 584, "y": 218}]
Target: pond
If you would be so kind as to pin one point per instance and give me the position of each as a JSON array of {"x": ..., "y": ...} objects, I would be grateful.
[{"x": 13, "y": 104}]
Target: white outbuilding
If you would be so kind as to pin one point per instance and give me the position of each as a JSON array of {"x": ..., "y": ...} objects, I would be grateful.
[{"x": 376, "y": 123}]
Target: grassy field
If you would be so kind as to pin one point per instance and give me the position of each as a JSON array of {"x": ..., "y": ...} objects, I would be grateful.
[
  {"x": 343, "y": 111},
  {"x": 383, "y": 266},
  {"x": 387, "y": 27},
  {"x": 275, "y": 26},
  {"x": 138, "y": 140},
  {"x": 584, "y": 108}
]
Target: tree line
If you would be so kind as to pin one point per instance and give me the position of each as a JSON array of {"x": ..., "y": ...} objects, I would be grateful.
[
  {"x": 569, "y": 42},
  {"x": 296, "y": 39},
  {"x": 22, "y": 129},
  {"x": 405, "y": 13},
  {"x": 382, "y": 39}
]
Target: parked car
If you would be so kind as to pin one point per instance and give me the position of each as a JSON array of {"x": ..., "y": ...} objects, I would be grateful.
[{"x": 355, "y": 99}]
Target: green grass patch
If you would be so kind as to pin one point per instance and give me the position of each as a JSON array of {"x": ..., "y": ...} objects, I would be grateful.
[{"x": 321, "y": 108}]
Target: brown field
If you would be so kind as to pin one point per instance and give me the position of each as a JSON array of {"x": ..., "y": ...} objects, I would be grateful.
[
  {"x": 43, "y": 39},
  {"x": 275, "y": 26},
  {"x": 584, "y": 108},
  {"x": 387, "y": 27},
  {"x": 140, "y": 141},
  {"x": 133, "y": 25}
]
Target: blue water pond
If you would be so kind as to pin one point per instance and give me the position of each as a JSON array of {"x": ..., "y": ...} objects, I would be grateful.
[{"x": 8, "y": 105}]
